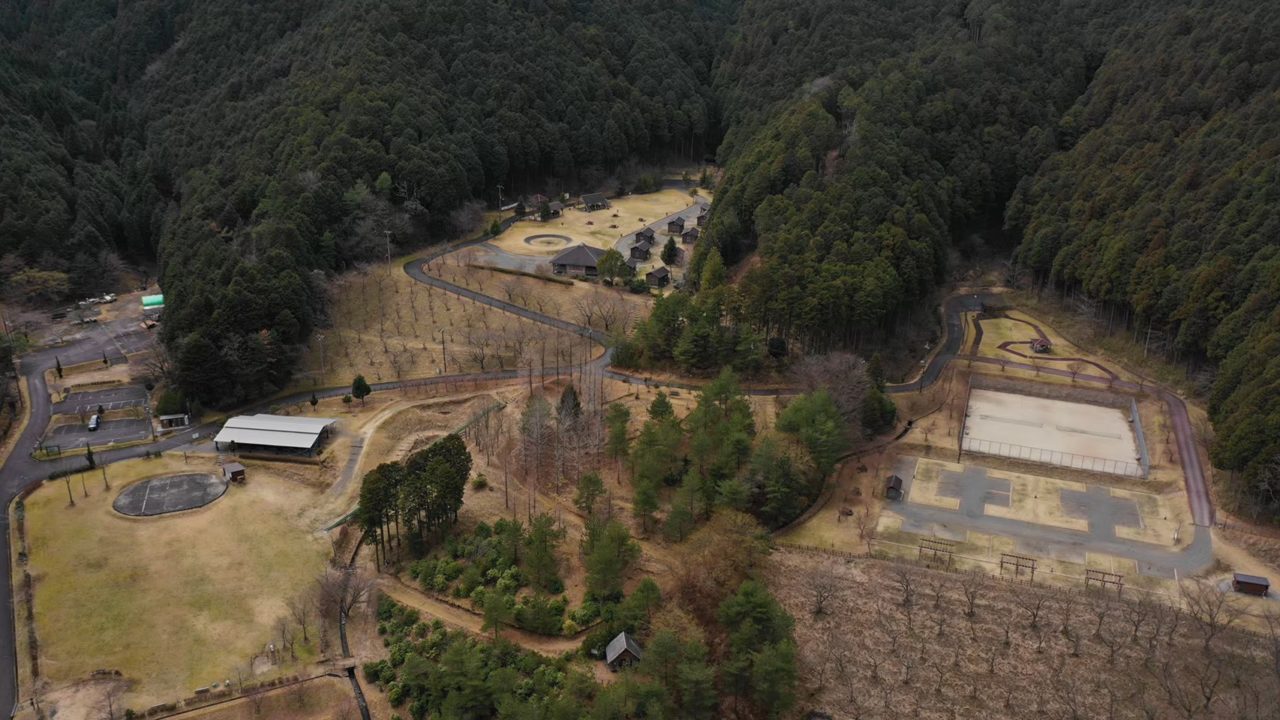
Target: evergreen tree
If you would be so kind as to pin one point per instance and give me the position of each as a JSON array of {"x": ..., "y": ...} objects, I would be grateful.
[
  {"x": 590, "y": 489},
  {"x": 609, "y": 553},
  {"x": 669, "y": 252},
  {"x": 360, "y": 388},
  {"x": 541, "y": 566}
]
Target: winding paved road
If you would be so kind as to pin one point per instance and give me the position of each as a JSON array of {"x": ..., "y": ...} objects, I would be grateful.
[{"x": 20, "y": 470}]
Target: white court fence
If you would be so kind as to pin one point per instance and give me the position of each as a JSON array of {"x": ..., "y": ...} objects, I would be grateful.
[{"x": 1053, "y": 457}]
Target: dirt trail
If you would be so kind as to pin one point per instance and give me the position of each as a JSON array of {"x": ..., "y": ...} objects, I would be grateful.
[{"x": 461, "y": 619}]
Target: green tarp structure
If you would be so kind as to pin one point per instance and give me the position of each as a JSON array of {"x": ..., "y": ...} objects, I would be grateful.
[{"x": 152, "y": 302}]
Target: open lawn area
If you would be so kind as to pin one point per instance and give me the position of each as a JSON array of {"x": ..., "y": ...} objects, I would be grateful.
[
  {"x": 602, "y": 228},
  {"x": 173, "y": 602}
]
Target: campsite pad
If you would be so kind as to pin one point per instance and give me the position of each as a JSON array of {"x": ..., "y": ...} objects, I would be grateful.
[{"x": 172, "y": 493}]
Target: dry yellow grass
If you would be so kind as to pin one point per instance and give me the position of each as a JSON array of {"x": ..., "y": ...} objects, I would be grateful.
[
  {"x": 583, "y": 303},
  {"x": 386, "y": 326},
  {"x": 628, "y": 214},
  {"x": 176, "y": 602}
]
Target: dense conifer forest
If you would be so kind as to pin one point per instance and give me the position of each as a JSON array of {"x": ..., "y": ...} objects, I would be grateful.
[{"x": 1124, "y": 151}]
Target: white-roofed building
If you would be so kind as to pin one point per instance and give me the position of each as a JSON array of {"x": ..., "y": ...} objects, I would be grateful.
[{"x": 274, "y": 432}]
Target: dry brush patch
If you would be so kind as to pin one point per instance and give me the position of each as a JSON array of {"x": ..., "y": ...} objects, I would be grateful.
[
  {"x": 386, "y": 326},
  {"x": 885, "y": 640},
  {"x": 610, "y": 310}
]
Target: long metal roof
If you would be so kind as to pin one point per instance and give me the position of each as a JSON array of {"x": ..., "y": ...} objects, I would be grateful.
[{"x": 273, "y": 430}]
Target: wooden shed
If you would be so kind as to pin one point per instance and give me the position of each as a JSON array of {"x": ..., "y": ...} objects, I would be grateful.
[
  {"x": 675, "y": 226},
  {"x": 594, "y": 201},
  {"x": 233, "y": 472},
  {"x": 659, "y": 277},
  {"x": 622, "y": 651},
  {"x": 1250, "y": 584},
  {"x": 893, "y": 488}
]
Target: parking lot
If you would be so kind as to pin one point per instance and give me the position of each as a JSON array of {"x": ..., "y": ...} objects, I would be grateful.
[
  {"x": 112, "y": 399},
  {"x": 74, "y": 436}
]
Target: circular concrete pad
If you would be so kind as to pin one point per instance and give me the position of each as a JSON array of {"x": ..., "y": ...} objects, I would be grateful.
[
  {"x": 548, "y": 240},
  {"x": 169, "y": 494}
]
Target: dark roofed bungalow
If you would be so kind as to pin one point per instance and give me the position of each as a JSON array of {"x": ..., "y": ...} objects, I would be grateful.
[
  {"x": 658, "y": 277},
  {"x": 675, "y": 226},
  {"x": 580, "y": 260},
  {"x": 554, "y": 208},
  {"x": 703, "y": 215},
  {"x": 641, "y": 251},
  {"x": 622, "y": 651},
  {"x": 689, "y": 236},
  {"x": 646, "y": 235},
  {"x": 594, "y": 201}
]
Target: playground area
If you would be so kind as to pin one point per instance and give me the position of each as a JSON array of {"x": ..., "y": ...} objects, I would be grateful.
[
  {"x": 1058, "y": 432},
  {"x": 600, "y": 228}
]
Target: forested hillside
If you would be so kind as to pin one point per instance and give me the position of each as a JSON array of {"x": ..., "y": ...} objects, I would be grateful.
[
  {"x": 253, "y": 149},
  {"x": 249, "y": 147},
  {"x": 1166, "y": 207},
  {"x": 1133, "y": 144}
]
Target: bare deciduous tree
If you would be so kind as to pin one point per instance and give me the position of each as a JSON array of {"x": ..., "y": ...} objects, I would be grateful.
[
  {"x": 1032, "y": 601},
  {"x": 842, "y": 374},
  {"x": 822, "y": 588},
  {"x": 341, "y": 589},
  {"x": 1209, "y": 608}
]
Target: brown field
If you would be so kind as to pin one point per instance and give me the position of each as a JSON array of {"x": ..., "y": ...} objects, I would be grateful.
[
  {"x": 386, "y": 326},
  {"x": 588, "y": 304},
  {"x": 628, "y": 214},
  {"x": 870, "y": 655},
  {"x": 173, "y": 602}
]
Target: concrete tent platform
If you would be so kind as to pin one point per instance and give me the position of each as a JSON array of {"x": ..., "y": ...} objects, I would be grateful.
[{"x": 173, "y": 493}]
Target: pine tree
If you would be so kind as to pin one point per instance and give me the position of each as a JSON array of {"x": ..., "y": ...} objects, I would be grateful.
[{"x": 360, "y": 388}]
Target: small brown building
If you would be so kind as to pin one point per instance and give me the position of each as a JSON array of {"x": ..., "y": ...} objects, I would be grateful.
[
  {"x": 675, "y": 226},
  {"x": 646, "y": 235},
  {"x": 689, "y": 236},
  {"x": 1041, "y": 345},
  {"x": 641, "y": 251},
  {"x": 233, "y": 472},
  {"x": 1250, "y": 584},
  {"x": 702, "y": 216},
  {"x": 658, "y": 277},
  {"x": 554, "y": 208},
  {"x": 893, "y": 488}
]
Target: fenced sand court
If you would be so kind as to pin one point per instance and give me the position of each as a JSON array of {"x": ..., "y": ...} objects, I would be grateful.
[{"x": 1057, "y": 432}]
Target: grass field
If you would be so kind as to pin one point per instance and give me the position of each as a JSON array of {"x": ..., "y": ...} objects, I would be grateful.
[
  {"x": 386, "y": 326},
  {"x": 173, "y": 603},
  {"x": 601, "y": 228}
]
